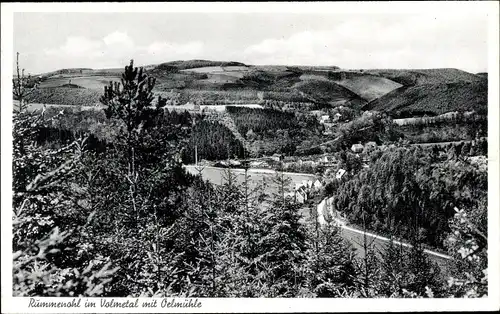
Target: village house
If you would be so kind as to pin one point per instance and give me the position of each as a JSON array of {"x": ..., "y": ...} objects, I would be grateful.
[
  {"x": 357, "y": 148},
  {"x": 301, "y": 195},
  {"x": 307, "y": 184},
  {"x": 317, "y": 184},
  {"x": 234, "y": 163},
  {"x": 340, "y": 173},
  {"x": 324, "y": 119},
  {"x": 258, "y": 163},
  {"x": 277, "y": 157}
]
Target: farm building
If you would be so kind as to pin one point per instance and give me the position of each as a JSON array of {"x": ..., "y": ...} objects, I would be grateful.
[
  {"x": 357, "y": 148},
  {"x": 340, "y": 173}
]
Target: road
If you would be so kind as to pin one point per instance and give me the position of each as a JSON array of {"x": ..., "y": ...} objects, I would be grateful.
[{"x": 356, "y": 238}]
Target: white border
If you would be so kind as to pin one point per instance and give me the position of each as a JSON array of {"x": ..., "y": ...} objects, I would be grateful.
[{"x": 18, "y": 305}]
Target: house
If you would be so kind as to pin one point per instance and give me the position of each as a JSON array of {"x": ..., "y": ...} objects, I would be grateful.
[
  {"x": 340, "y": 173},
  {"x": 258, "y": 163},
  {"x": 301, "y": 195},
  {"x": 337, "y": 117},
  {"x": 324, "y": 118},
  {"x": 234, "y": 163},
  {"x": 277, "y": 157},
  {"x": 357, "y": 148},
  {"x": 307, "y": 184},
  {"x": 325, "y": 159},
  {"x": 317, "y": 184}
]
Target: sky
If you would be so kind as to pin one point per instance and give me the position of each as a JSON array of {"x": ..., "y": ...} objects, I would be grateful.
[{"x": 51, "y": 41}]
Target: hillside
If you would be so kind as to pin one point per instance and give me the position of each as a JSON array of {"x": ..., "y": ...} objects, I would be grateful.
[
  {"x": 329, "y": 92},
  {"x": 229, "y": 82},
  {"x": 425, "y": 76},
  {"x": 433, "y": 99},
  {"x": 65, "y": 95},
  {"x": 369, "y": 87}
]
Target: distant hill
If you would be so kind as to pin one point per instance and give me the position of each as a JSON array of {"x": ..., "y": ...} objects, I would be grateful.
[
  {"x": 191, "y": 64},
  {"x": 226, "y": 82},
  {"x": 425, "y": 76},
  {"x": 329, "y": 92},
  {"x": 433, "y": 99}
]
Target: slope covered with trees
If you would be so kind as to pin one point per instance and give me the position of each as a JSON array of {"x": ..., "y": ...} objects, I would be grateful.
[
  {"x": 433, "y": 99},
  {"x": 412, "y": 192}
]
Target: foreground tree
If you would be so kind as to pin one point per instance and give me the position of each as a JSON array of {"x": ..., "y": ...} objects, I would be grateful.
[
  {"x": 48, "y": 247},
  {"x": 468, "y": 244}
]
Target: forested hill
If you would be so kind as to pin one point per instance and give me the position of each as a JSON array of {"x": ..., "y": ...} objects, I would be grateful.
[{"x": 433, "y": 99}]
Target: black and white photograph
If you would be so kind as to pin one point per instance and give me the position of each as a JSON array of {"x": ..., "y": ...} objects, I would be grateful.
[{"x": 187, "y": 155}]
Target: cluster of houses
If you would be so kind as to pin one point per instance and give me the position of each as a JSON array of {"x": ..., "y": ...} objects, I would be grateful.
[
  {"x": 360, "y": 148},
  {"x": 304, "y": 190}
]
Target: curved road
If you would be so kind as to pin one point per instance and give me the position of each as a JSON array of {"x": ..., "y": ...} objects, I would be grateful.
[{"x": 356, "y": 236}]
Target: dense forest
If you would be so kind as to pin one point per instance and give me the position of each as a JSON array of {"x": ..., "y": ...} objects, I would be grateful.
[
  {"x": 270, "y": 131},
  {"x": 261, "y": 120},
  {"x": 412, "y": 192},
  {"x": 214, "y": 142},
  {"x": 127, "y": 219}
]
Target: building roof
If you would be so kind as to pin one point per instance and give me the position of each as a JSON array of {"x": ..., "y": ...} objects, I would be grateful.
[
  {"x": 340, "y": 173},
  {"x": 356, "y": 147}
]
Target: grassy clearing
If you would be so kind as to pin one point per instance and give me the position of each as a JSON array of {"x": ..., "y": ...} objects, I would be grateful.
[
  {"x": 66, "y": 96},
  {"x": 327, "y": 92},
  {"x": 369, "y": 87},
  {"x": 90, "y": 82}
]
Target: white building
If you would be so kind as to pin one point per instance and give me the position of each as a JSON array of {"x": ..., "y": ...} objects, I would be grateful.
[
  {"x": 357, "y": 148},
  {"x": 324, "y": 118},
  {"x": 340, "y": 173},
  {"x": 318, "y": 185}
]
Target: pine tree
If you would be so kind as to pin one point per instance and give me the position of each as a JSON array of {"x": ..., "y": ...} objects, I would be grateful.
[
  {"x": 47, "y": 224},
  {"x": 145, "y": 181},
  {"x": 330, "y": 264},
  {"x": 284, "y": 243}
]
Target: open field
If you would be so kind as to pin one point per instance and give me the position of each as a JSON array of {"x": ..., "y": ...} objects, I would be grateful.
[
  {"x": 90, "y": 82},
  {"x": 369, "y": 87}
]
